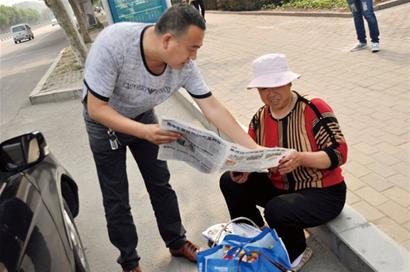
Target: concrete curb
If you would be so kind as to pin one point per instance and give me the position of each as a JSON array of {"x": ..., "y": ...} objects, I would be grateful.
[
  {"x": 311, "y": 13},
  {"x": 299, "y": 13},
  {"x": 389, "y": 4},
  {"x": 359, "y": 245},
  {"x": 37, "y": 97}
]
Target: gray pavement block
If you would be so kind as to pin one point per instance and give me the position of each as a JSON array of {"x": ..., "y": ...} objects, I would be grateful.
[
  {"x": 361, "y": 246},
  {"x": 55, "y": 96}
]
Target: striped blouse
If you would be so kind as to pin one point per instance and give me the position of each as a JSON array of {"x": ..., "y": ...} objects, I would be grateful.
[{"x": 310, "y": 126}]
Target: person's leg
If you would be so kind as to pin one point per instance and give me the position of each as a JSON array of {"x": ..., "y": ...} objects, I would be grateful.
[
  {"x": 368, "y": 13},
  {"x": 242, "y": 199},
  {"x": 290, "y": 213},
  {"x": 111, "y": 170},
  {"x": 195, "y": 4},
  {"x": 202, "y": 5},
  {"x": 356, "y": 9},
  {"x": 163, "y": 198}
]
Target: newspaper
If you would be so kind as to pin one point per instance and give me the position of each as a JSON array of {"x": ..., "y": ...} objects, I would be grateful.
[{"x": 208, "y": 153}]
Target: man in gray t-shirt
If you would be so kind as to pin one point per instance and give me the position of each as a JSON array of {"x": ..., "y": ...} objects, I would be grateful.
[{"x": 130, "y": 69}]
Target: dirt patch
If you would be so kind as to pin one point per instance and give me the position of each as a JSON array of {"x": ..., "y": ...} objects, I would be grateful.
[{"x": 67, "y": 72}]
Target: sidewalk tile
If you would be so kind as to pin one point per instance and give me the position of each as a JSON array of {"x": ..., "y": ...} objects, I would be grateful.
[
  {"x": 397, "y": 232},
  {"x": 388, "y": 148},
  {"x": 393, "y": 139},
  {"x": 366, "y": 148},
  {"x": 352, "y": 198},
  {"x": 406, "y": 145},
  {"x": 398, "y": 129},
  {"x": 402, "y": 168},
  {"x": 406, "y": 244},
  {"x": 402, "y": 181},
  {"x": 368, "y": 211},
  {"x": 356, "y": 169},
  {"x": 399, "y": 195},
  {"x": 381, "y": 169},
  {"x": 382, "y": 116},
  {"x": 372, "y": 196},
  {"x": 352, "y": 182},
  {"x": 375, "y": 181},
  {"x": 407, "y": 226},
  {"x": 393, "y": 210},
  {"x": 373, "y": 132},
  {"x": 385, "y": 158}
]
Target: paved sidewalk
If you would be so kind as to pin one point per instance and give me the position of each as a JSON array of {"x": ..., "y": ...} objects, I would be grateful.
[{"x": 370, "y": 94}]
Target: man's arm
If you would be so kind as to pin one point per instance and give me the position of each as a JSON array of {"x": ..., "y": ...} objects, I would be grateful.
[
  {"x": 219, "y": 115},
  {"x": 101, "y": 112}
]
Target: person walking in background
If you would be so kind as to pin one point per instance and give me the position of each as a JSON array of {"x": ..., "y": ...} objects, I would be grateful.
[
  {"x": 199, "y": 5},
  {"x": 360, "y": 9},
  {"x": 307, "y": 188},
  {"x": 131, "y": 68}
]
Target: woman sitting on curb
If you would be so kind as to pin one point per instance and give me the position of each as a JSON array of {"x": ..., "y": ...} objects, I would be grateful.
[{"x": 307, "y": 188}]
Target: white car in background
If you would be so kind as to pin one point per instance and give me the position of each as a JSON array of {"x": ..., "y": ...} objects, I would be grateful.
[{"x": 54, "y": 22}]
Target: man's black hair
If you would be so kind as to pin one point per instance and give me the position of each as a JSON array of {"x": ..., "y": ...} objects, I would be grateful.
[{"x": 178, "y": 18}]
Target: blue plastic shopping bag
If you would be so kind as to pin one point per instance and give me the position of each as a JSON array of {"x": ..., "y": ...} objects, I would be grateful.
[{"x": 262, "y": 253}]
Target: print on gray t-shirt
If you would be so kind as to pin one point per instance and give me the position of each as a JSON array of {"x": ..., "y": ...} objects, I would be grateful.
[{"x": 115, "y": 72}]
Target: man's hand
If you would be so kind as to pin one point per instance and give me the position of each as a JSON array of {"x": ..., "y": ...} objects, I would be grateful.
[
  {"x": 273, "y": 170},
  {"x": 154, "y": 134},
  {"x": 290, "y": 162},
  {"x": 239, "y": 177}
]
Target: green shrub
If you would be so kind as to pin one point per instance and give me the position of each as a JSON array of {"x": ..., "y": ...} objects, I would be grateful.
[
  {"x": 309, "y": 4},
  {"x": 241, "y": 5}
]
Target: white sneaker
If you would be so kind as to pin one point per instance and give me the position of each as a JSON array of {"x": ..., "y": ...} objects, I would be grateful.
[
  {"x": 359, "y": 46},
  {"x": 375, "y": 47},
  {"x": 300, "y": 261}
]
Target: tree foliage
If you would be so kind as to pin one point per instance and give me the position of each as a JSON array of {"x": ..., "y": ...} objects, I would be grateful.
[{"x": 11, "y": 16}]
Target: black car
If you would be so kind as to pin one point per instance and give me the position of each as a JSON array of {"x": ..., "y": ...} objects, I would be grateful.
[{"x": 38, "y": 201}]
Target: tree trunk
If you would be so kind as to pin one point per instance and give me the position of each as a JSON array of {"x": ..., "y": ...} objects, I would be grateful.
[
  {"x": 79, "y": 14},
  {"x": 74, "y": 38}
]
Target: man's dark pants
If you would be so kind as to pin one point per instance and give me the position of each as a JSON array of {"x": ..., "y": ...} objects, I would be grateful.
[
  {"x": 288, "y": 212},
  {"x": 112, "y": 175}
]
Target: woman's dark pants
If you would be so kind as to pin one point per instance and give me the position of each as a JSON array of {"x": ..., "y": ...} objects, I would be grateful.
[{"x": 288, "y": 212}]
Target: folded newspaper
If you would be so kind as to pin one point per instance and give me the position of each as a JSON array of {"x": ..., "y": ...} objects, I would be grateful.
[{"x": 207, "y": 152}]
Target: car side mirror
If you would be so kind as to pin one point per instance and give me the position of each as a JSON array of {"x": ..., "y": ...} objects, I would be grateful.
[{"x": 19, "y": 153}]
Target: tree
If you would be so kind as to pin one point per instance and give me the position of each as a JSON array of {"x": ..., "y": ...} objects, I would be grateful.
[
  {"x": 76, "y": 42},
  {"x": 79, "y": 14},
  {"x": 11, "y": 15}
]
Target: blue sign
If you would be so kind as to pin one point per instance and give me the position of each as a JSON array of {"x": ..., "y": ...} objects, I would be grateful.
[{"x": 145, "y": 11}]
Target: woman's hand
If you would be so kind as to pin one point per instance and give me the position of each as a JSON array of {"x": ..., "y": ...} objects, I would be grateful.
[
  {"x": 239, "y": 177},
  {"x": 290, "y": 162}
]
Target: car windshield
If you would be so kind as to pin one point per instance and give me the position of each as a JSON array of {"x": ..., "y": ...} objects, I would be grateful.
[{"x": 18, "y": 28}]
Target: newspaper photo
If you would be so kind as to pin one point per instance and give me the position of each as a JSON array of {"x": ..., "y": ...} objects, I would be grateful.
[{"x": 208, "y": 153}]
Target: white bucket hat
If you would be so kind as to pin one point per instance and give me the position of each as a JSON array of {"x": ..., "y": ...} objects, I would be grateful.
[{"x": 271, "y": 70}]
